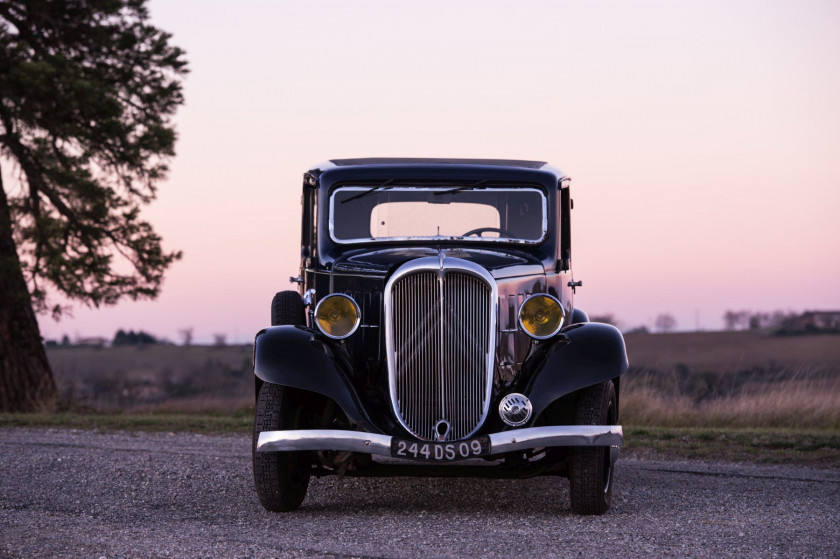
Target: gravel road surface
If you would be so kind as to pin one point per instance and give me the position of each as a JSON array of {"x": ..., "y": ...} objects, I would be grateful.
[{"x": 67, "y": 493}]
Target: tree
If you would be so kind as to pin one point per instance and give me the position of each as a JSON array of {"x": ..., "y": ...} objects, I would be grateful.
[
  {"x": 186, "y": 335},
  {"x": 665, "y": 322},
  {"x": 87, "y": 90},
  {"x": 736, "y": 320},
  {"x": 606, "y": 318},
  {"x": 122, "y": 338}
]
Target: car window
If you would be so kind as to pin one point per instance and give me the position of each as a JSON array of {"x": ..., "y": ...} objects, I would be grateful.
[
  {"x": 419, "y": 219},
  {"x": 372, "y": 214}
]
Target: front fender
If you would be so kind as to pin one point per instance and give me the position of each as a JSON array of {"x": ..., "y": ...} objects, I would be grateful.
[
  {"x": 300, "y": 358},
  {"x": 583, "y": 355}
]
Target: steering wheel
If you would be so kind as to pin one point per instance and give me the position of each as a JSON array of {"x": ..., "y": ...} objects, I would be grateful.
[{"x": 478, "y": 231}]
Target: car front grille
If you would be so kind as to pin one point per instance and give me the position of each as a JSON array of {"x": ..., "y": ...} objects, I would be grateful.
[{"x": 440, "y": 352}]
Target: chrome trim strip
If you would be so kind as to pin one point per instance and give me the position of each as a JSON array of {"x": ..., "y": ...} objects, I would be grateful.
[
  {"x": 500, "y": 443},
  {"x": 441, "y": 264},
  {"x": 324, "y": 439},
  {"x": 568, "y": 435}
]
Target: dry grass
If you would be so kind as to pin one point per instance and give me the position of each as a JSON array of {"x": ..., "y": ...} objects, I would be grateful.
[
  {"x": 172, "y": 379},
  {"x": 804, "y": 404},
  {"x": 732, "y": 380}
]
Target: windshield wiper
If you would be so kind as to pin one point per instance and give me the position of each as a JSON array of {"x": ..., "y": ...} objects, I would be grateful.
[
  {"x": 459, "y": 188},
  {"x": 370, "y": 191}
]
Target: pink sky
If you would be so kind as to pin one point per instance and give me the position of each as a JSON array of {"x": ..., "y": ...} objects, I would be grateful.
[{"x": 703, "y": 139}]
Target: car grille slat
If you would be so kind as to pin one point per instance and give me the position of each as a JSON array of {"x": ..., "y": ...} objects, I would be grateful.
[{"x": 442, "y": 337}]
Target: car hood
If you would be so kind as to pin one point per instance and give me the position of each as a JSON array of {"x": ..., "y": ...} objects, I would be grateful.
[{"x": 500, "y": 264}]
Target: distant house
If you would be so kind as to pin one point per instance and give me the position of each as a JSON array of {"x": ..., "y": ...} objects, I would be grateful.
[
  {"x": 91, "y": 342},
  {"x": 810, "y": 321}
]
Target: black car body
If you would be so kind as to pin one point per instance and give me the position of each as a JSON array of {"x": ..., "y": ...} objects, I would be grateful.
[{"x": 409, "y": 349}]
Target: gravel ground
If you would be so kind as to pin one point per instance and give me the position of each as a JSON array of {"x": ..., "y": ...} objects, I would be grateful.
[{"x": 67, "y": 493}]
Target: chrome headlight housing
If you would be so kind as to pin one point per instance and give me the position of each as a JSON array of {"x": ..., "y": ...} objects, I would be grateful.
[
  {"x": 337, "y": 316},
  {"x": 541, "y": 316}
]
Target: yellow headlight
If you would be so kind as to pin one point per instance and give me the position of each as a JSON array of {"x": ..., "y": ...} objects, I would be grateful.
[
  {"x": 337, "y": 316},
  {"x": 541, "y": 316}
]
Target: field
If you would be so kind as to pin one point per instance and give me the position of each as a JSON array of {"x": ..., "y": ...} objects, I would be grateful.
[
  {"x": 702, "y": 379},
  {"x": 732, "y": 379},
  {"x": 154, "y": 378}
]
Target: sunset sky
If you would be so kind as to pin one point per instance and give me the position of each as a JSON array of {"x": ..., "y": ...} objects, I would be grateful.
[{"x": 703, "y": 139}]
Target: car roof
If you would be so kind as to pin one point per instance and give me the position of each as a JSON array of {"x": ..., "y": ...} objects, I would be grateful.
[
  {"x": 377, "y": 161},
  {"x": 380, "y": 166}
]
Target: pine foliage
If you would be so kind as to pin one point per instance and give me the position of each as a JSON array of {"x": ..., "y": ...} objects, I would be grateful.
[{"x": 87, "y": 92}]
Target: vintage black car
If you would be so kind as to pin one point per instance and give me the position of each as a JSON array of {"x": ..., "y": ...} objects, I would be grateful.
[{"x": 434, "y": 333}]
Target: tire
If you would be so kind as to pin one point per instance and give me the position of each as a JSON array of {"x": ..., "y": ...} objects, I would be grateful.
[
  {"x": 287, "y": 308},
  {"x": 590, "y": 472},
  {"x": 281, "y": 478}
]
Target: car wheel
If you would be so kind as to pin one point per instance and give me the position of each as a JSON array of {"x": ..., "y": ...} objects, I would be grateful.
[
  {"x": 590, "y": 471},
  {"x": 282, "y": 478},
  {"x": 287, "y": 308}
]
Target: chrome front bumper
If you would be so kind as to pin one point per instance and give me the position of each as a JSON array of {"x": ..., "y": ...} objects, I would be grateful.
[{"x": 500, "y": 443}]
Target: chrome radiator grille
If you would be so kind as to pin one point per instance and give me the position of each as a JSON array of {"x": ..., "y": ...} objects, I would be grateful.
[{"x": 441, "y": 352}]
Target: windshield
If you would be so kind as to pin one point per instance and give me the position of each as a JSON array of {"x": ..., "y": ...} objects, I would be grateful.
[{"x": 376, "y": 213}]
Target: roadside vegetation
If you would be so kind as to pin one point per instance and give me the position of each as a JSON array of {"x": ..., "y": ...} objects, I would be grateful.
[
  {"x": 732, "y": 380},
  {"x": 652, "y": 399},
  {"x": 132, "y": 379}
]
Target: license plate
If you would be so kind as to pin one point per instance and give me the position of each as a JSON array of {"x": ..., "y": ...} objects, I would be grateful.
[{"x": 425, "y": 451}]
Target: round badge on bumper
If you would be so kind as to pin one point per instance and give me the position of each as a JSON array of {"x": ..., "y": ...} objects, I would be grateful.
[{"x": 515, "y": 409}]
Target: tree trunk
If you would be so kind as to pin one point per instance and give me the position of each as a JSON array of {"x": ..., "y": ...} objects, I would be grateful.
[{"x": 26, "y": 381}]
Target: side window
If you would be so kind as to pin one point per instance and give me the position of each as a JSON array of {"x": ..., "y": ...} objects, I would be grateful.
[
  {"x": 565, "y": 229},
  {"x": 308, "y": 222}
]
